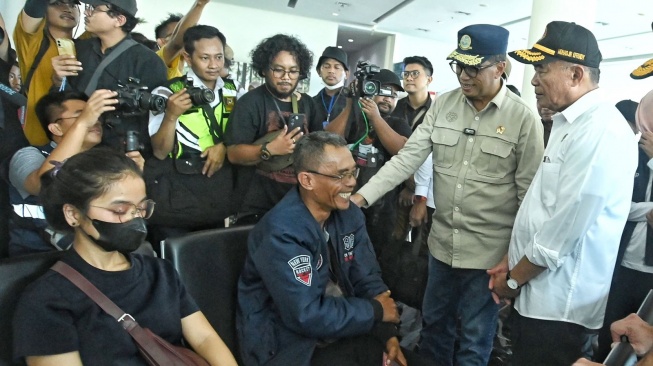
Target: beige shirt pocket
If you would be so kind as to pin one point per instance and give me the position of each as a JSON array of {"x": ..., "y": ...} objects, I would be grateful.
[
  {"x": 444, "y": 147},
  {"x": 494, "y": 159}
]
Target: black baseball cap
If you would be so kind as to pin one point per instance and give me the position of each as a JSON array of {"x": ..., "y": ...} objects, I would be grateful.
[
  {"x": 334, "y": 53},
  {"x": 563, "y": 41},
  {"x": 128, "y": 6},
  {"x": 387, "y": 77}
]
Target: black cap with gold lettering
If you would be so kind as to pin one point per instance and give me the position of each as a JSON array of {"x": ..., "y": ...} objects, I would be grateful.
[{"x": 564, "y": 41}]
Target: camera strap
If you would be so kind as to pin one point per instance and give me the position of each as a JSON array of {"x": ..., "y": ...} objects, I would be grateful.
[
  {"x": 122, "y": 47},
  {"x": 209, "y": 115},
  {"x": 295, "y": 107},
  {"x": 43, "y": 48}
]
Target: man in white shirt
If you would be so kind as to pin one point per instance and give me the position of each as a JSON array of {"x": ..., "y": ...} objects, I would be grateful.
[{"x": 566, "y": 234}]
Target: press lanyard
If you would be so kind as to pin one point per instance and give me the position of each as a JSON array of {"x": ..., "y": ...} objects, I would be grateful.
[{"x": 330, "y": 108}]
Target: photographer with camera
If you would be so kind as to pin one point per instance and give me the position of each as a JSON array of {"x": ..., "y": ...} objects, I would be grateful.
[
  {"x": 374, "y": 136},
  {"x": 72, "y": 123},
  {"x": 187, "y": 139},
  {"x": 268, "y": 121}
]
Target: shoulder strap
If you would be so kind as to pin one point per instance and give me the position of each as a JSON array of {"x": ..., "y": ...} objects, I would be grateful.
[
  {"x": 214, "y": 127},
  {"x": 140, "y": 335},
  {"x": 90, "y": 290},
  {"x": 122, "y": 47},
  {"x": 419, "y": 114},
  {"x": 293, "y": 99},
  {"x": 45, "y": 44}
]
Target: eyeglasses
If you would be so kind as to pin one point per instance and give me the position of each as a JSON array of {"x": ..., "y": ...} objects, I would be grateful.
[
  {"x": 471, "y": 71},
  {"x": 340, "y": 177},
  {"x": 413, "y": 74},
  {"x": 280, "y": 73},
  {"x": 127, "y": 211},
  {"x": 67, "y": 4},
  {"x": 92, "y": 9}
]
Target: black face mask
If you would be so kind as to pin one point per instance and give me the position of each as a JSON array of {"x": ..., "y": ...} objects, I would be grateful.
[{"x": 123, "y": 237}]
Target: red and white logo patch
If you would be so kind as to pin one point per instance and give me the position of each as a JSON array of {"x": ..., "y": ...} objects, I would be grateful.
[{"x": 302, "y": 269}]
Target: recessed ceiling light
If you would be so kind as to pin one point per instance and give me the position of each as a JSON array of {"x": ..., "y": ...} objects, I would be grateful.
[
  {"x": 350, "y": 40},
  {"x": 335, "y": 14},
  {"x": 641, "y": 14},
  {"x": 482, "y": 5},
  {"x": 339, "y": 46}
]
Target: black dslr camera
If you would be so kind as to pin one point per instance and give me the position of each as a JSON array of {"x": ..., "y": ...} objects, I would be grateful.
[
  {"x": 366, "y": 86},
  {"x": 134, "y": 101},
  {"x": 198, "y": 96}
]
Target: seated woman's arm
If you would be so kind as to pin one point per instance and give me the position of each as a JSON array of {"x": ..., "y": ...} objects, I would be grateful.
[
  {"x": 69, "y": 359},
  {"x": 200, "y": 335}
]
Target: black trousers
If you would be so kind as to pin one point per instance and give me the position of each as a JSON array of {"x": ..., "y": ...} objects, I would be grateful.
[
  {"x": 358, "y": 351},
  {"x": 628, "y": 291},
  {"x": 545, "y": 342}
]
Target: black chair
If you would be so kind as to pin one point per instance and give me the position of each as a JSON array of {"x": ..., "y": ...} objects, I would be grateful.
[
  {"x": 15, "y": 274},
  {"x": 209, "y": 263}
]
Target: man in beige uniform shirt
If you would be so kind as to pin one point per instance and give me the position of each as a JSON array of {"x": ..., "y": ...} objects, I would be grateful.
[{"x": 487, "y": 145}]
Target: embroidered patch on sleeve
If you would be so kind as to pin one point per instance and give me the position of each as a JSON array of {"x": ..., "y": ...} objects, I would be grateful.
[{"x": 302, "y": 269}]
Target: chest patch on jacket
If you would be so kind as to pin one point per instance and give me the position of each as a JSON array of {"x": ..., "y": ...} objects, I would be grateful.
[
  {"x": 301, "y": 268},
  {"x": 348, "y": 243}
]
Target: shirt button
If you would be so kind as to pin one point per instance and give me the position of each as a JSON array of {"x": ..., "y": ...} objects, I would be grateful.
[
  {"x": 471, "y": 139},
  {"x": 459, "y": 186},
  {"x": 465, "y": 162},
  {"x": 455, "y": 231},
  {"x": 456, "y": 209},
  {"x": 476, "y": 118}
]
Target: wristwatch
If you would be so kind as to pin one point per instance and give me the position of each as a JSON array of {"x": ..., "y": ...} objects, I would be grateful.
[
  {"x": 511, "y": 282},
  {"x": 265, "y": 153}
]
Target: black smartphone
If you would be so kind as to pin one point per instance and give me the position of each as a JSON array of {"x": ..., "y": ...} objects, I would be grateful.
[{"x": 296, "y": 120}]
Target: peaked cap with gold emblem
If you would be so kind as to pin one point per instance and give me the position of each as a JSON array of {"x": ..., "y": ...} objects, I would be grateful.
[
  {"x": 478, "y": 41},
  {"x": 563, "y": 41}
]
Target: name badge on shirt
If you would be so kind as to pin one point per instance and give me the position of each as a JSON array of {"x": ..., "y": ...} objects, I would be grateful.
[{"x": 229, "y": 103}]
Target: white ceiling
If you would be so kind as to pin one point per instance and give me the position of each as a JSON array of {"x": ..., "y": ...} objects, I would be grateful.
[{"x": 626, "y": 34}]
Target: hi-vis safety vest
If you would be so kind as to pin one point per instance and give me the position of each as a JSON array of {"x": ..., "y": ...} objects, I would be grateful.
[{"x": 196, "y": 130}]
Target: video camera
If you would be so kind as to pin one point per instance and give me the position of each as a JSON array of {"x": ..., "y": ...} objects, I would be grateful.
[
  {"x": 198, "y": 96},
  {"x": 366, "y": 86},
  {"x": 134, "y": 101}
]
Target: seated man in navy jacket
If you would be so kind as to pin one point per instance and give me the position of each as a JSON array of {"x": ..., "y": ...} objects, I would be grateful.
[{"x": 311, "y": 291}]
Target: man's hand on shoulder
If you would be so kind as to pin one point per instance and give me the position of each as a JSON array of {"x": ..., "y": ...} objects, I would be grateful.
[{"x": 358, "y": 200}]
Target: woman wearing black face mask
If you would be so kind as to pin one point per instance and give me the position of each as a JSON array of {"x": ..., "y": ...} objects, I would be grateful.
[{"x": 100, "y": 195}]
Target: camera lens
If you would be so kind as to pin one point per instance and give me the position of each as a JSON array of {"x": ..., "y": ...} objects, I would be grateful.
[
  {"x": 157, "y": 103},
  {"x": 208, "y": 96},
  {"x": 370, "y": 88}
]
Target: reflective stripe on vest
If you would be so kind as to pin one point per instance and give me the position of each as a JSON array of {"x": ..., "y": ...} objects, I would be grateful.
[{"x": 29, "y": 211}]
